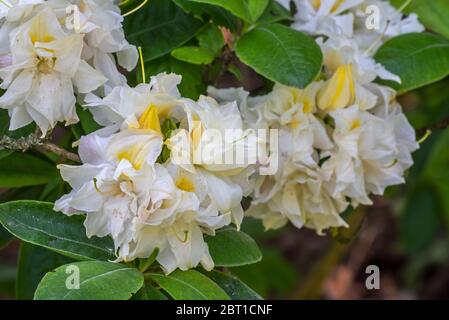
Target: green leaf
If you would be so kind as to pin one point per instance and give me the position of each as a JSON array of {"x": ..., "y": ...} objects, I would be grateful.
[
  {"x": 36, "y": 222},
  {"x": 418, "y": 59},
  {"x": 20, "y": 170},
  {"x": 99, "y": 280},
  {"x": 294, "y": 58},
  {"x": 256, "y": 8},
  {"x": 4, "y": 153},
  {"x": 420, "y": 221},
  {"x": 433, "y": 14},
  {"x": 195, "y": 55},
  {"x": 34, "y": 263},
  {"x": 274, "y": 12},
  {"x": 5, "y": 237},
  {"x": 87, "y": 121},
  {"x": 260, "y": 276},
  {"x": 192, "y": 84},
  {"x": 189, "y": 285},
  {"x": 235, "y": 288},
  {"x": 207, "y": 12},
  {"x": 16, "y": 134},
  {"x": 7, "y": 281},
  {"x": 160, "y": 27},
  {"x": 231, "y": 248},
  {"x": 211, "y": 39},
  {"x": 238, "y": 8},
  {"x": 148, "y": 292}
]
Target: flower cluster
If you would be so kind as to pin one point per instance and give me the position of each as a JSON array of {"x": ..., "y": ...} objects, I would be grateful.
[
  {"x": 342, "y": 138},
  {"x": 50, "y": 50},
  {"x": 132, "y": 189}
]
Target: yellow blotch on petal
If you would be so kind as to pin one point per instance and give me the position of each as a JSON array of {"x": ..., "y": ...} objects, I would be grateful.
[
  {"x": 339, "y": 91},
  {"x": 39, "y": 31},
  {"x": 317, "y": 4},
  {"x": 135, "y": 155},
  {"x": 185, "y": 184},
  {"x": 150, "y": 119},
  {"x": 356, "y": 123}
]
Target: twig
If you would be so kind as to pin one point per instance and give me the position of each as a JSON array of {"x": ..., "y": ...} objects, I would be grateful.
[
  {"x": 34, "y": 140},
  {"x": 48, "y": 146}
]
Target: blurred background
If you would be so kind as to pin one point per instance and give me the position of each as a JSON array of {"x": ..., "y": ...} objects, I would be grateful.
[{"x": 405, "y": 233}]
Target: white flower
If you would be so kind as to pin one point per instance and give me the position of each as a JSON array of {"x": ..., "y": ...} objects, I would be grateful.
[
  {"x": 371, "y": 153},
  {"x": 124, "y": 105},
  {"x": 101, "y": 22},
  {"x": 141, "y": 204},
  {"x": 325, "y": 17},
  {"x": 212, "y": 135},
  {"x": 45, "y": 68}
]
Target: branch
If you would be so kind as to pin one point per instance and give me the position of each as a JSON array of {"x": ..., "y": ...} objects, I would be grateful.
[
  {"x": 34, "y": 140},
  {"x": 48, "y": 146}
]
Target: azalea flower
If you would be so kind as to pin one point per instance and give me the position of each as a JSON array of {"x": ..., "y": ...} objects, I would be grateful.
[
  {"x": 123, "y": 105},
  {"x": 143, "y": 205},
  {"x": 45, "y": 69},
  {"x": 204, "y": 144}
]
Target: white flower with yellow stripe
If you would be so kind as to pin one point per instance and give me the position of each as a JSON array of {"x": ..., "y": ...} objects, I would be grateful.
[
  {"x": 142, "y": 204},
  {"x": 46, "y": 67},
  {"x": 208, "y": 144},
  {"x": 324, "y": 17}
]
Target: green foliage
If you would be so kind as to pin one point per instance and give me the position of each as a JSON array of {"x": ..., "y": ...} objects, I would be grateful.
[
  {"x": 160, "y": 27},
  {"x": 230, "y": 248},
  {"x": 293, "y": 58},
  {"x": 5, "y": 237},
  {"x": 195, "y": 55},
  {"x": 99, "y": 280},
  {"x": 235, "y": 288},
  {"x": 148, "y": 292},
  {"x": 34, "y": 262},
  {"x": 189, "y": 285},
  {"x": 21, "y": 170},
  {"x": 418, "y": 59},
  {"x": 36, "y": 222},
  {"x": 261, "y": 276},
  {"x": 208, "y": 12},
  {"x": 248, "y": 10}
]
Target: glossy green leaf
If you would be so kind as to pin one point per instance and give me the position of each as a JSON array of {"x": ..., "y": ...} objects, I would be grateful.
[
  {"x": 36, "y": 222},
  {"x": 235, "y": 288},
  {"x": 148, "y": 292},
  {"x": 189, "y": 285},
  {"x": 20, "y": 170},
  {"x": 160, "y": 27},
  {"x": 256, "y": 8},
  {"x": 5, "y": 237},
  {"x": 238, "y": 8},
  {"x": 420, "y": 221},
  {"x": 294, "y": 59},
  {"x": 211, "y": 39},
  {"x": 418, "y": 59},
  {"x": 230, "y": 248},
  {"x": 195, "y": 55},
  {"x": 87, "y": 121},
  {"x": 98, "y": 280},
  {"x": 208, "y": 12},
  {"x": 274, "y": 12},
  {"x": 34, "y": 262}
]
